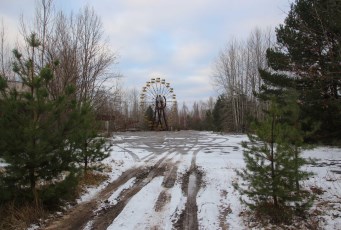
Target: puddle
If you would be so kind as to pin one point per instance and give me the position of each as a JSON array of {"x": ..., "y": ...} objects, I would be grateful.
[{"x": 192, "y": 184}]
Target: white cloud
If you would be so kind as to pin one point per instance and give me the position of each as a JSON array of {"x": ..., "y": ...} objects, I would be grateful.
[
  {"x": 188, "y": 54},
  {"x": 176, "y": 38}
]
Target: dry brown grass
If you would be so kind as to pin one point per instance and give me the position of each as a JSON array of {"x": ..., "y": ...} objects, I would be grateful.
[
  {"x": 90, "y": 178},
  {"x": 258, "y": 220},
  {"x": 14, "y": 217}
]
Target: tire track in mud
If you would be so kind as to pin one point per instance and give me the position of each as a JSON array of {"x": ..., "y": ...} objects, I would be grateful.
[
  {"x": 168, "y": 182},
  {"x": 165, "y": 196},
  {"x": 191, "y": 183},
  {"x": 78, "y": 216},
  {"x": 170, "y": 178},
  {"x": 131, "y": 153},
  {"x": 162, "y": 162},
  {"x": 107, "y": 215}
]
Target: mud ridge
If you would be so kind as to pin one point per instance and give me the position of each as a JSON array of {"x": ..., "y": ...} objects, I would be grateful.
[
  {"x": 163, "y": 198},
  {"x": 224, "y": 211},
  {"x": 170, "y": 178}
]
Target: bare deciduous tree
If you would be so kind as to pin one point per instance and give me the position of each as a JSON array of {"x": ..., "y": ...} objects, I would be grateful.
[
  {"x": 236, "y": 76},
  {"x": 43, "y": 16},
  {"x": 93, "y": 54},
  {"x": 5, "y": 55},
  {"x": 183, "y": 115},
  {"x": 76, "y": 42}
]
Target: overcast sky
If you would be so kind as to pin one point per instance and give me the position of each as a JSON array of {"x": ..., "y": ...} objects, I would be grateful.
[{"x": 178, "y": 39}]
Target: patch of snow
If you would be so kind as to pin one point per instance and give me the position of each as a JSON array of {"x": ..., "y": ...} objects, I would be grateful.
[
  {"x": 185, "y": 163},
  {"x": 117, "y": 138},
  {"x": 88, "y": 226},
  {"x": 119, "y": 161},
  {"x": 91, "y": 192},
  {"x": 138, "y": 209},
  {"x": 3, "y": 163},
  {"x": 175, "y": 206},
  {"x": 327, "y": 177},
  {"x": 33, "y": 227},
  {"x": 113, "y": 198},
  {"x": 170, "y": 212}
]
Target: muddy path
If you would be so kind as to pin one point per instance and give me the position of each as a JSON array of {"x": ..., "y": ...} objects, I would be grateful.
[
  {"x": 78, "y": 216},
  {"x": 191, "y": 184},
  {"x": 168, "y": 153},
  {"x": 106, "y": 216}
]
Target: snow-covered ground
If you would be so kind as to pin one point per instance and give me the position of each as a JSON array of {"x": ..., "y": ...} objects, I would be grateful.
[
  {"x": 219, "y": 165},
  {"x": 183, "y": 180},
  {"x": 216, "y": 157},
  {"x": 327, "y": 180}
]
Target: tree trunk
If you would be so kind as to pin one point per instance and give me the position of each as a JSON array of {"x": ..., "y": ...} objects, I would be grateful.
[
  {"x": 33, "y": 187},
  {"x": 85, "y": 164},
  {"x": 273, "y": 175},
  {"x": 296, "y": 170}
]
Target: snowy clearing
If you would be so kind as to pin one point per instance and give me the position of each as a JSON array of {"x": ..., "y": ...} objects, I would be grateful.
[{"x": 183, "y": 180}]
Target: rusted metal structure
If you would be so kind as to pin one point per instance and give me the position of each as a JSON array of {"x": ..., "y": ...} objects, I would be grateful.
[{"x": 158, "y": 95}]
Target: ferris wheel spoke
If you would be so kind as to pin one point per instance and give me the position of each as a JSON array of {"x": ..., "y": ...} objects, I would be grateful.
[
  {"x": 164, "y": 89},
  {"x": 154, "y": 90},
  {"x": 151, "y": 88},
  {"x": 150, "y": 94}
]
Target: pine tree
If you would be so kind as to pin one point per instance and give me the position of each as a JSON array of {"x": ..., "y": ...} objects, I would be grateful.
[
  {"x": 308, "y": 51},
  {"x": 39, "y": 134},
  {"x": 32, "y": 136},
  {"x": 218, "y": 114},
  {"x": 273, "y": 162},
  {"x": 208, "y": 122},
  {"x": 148, "y": 118}
]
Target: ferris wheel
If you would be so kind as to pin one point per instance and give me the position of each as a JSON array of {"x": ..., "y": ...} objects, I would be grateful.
[{"x": 158, "y": 95}]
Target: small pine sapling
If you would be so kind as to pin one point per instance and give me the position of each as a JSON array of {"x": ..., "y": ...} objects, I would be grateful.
[{"x": 273, "y": 163}]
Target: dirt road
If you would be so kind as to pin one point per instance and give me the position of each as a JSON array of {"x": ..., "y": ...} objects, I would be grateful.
[{"x": 163, "y": 183}]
